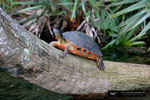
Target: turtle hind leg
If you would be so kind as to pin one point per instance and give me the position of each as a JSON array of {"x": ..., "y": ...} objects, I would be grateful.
[{"x": 100, "y": 63}]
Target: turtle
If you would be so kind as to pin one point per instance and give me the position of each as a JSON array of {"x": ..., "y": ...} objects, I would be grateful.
[{"x": 78, "y": 43}]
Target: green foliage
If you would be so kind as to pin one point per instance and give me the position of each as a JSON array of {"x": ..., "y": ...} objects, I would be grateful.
[
  {"x": 35, "y": 4},
  {"x": 35, "y": 14},
  {"x": 136, "y": 14},
  {"x": 74, "y": 9},
  {"x": 123, "y": 23},
  {"x": 7, "y": 5}
]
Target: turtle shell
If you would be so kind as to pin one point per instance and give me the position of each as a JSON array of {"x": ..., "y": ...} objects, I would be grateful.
[{"x": 81, "y": 40}]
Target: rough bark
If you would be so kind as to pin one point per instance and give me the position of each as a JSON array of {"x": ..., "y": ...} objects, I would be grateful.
[{"x": 73, "y": 75}]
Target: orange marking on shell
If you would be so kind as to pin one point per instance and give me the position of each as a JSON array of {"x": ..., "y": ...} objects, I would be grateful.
[
  {"x": 78, "y": 52},
  {"x": 82, "y": 53}
]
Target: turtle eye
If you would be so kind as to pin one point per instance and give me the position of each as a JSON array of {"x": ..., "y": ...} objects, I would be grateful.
[
  {"x": 78, "y": 49},
  {"x": 84, "y": 50}
]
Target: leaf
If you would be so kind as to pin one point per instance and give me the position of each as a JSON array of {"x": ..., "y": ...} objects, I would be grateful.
[
  {"x": 130, "y": 34},
  {"x": 67, "y": 4},
  {"x": 143, "y": 32},
  {"x": 109, "y": 44},
  {"x": 130, "y": 24},
  {"x": 123, "y": 2},
  {"x": 25, "y": 3},
  {"x": 74, "y": 10},
  {"x": 137, "y": 43},
  {"x": 83, "y": 6},
  {"x": 133, "y": 7},
  {"x": 30, "y": 8},
  {"x": 104, "y": 25},
  {"x": 148, "y": 1},
  {"x": 140, "y": 21},
  {"x": 141, "y": 13}
]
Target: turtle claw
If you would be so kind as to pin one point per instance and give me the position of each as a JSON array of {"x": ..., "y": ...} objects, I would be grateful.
[
  {"x": 100, "y": 63},
  {"x": 14, "y": 71},
  {"x": 62, "y": 56}
]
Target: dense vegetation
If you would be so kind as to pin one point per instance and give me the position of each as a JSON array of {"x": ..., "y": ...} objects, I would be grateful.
[{"x": 112, "y": 23}]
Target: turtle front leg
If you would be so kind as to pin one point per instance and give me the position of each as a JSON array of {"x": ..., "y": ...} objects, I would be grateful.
[
  {"x": 53, "y": 43},
  {"x": 62, "y": 47},
  {"x": 65, "y": 51},
  {"x": 100, "y": 63}
]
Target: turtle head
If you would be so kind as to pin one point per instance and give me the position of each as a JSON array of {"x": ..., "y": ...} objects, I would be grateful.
[{"x": 58, "y": 33}]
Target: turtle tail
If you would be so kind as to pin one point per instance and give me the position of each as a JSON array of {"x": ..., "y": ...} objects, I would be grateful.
[{"x": 100, "y": 63}]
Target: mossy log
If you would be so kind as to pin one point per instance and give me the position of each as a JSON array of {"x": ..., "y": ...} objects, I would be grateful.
[{"x": 42, "y": 65}]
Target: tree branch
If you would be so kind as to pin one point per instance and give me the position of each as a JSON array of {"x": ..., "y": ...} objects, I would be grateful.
[{"x": 73, "y": 75}]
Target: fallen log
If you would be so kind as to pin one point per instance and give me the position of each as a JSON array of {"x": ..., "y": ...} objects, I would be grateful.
[{"x": 42, "y": 65}]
